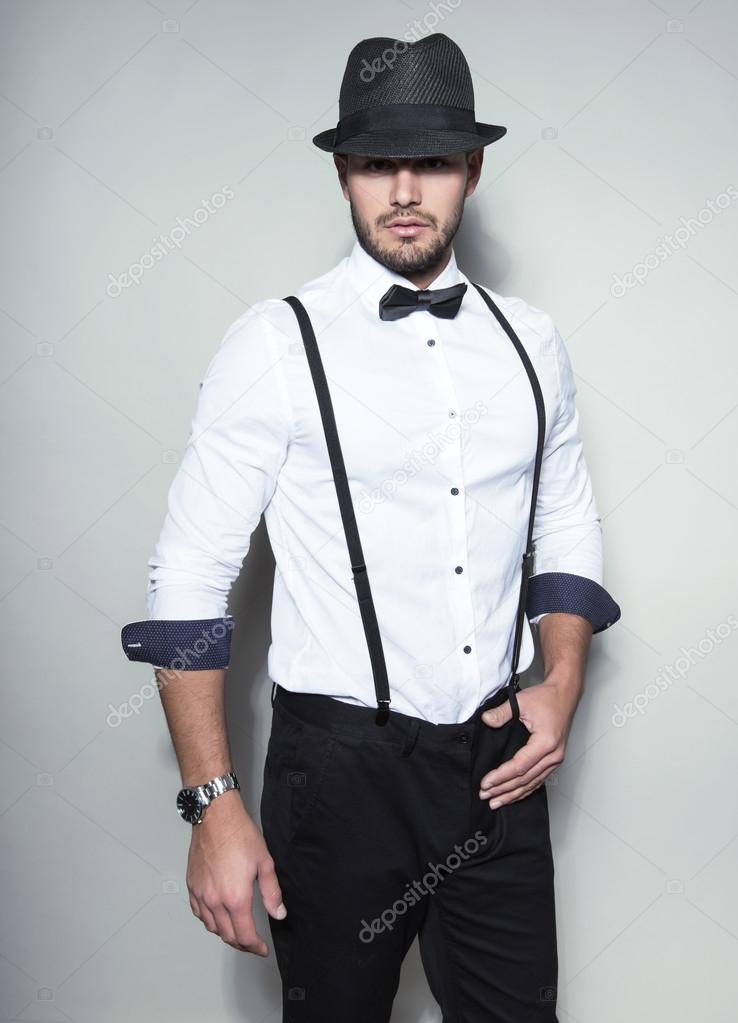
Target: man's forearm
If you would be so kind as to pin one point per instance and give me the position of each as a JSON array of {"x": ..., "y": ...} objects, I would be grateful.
[
  {"x": 193, "y": 703},
  {"x": 565, "y": 641}
]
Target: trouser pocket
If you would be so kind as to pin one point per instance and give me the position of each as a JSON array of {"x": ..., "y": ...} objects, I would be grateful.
[{"x": 297, "y": 764}]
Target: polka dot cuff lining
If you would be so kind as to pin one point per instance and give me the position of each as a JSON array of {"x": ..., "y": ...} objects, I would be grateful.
[
  {"x": 574, "y": 594},
  {"x": 197, "y": 645}
]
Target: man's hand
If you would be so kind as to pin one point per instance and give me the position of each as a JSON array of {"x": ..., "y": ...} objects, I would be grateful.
[
  {"x": 227, "y": 854},
  {"x": 547, "y": 711}
]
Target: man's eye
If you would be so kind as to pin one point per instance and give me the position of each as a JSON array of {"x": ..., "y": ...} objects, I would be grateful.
[{"x": 437, "y": 161}]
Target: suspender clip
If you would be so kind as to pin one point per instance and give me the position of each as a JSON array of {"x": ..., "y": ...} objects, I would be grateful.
[{"x": 382, "y": 712}]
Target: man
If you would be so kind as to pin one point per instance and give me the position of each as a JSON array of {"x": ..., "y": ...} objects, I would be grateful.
[{"x": 404, "y": 780}]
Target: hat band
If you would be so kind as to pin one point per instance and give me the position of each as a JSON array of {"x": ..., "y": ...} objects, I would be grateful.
[{"x": 405, "y": 115}]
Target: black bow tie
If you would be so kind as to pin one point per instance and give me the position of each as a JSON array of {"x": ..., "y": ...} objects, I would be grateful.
[{"x": 399, "y": 301}]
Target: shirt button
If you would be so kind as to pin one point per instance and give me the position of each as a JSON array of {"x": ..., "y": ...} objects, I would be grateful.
[
  {"x": 463, "y": 737},
  {"x": 458, "y": 570},
  {"x": 452, "y": 413},
  {"x": 431, "y": 342},
  {"x": 467, "y": 649},
  {"x": 454, "y": 490}
]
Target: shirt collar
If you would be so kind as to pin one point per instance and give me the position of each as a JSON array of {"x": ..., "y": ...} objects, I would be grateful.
[{"x": 371, "y": 279}]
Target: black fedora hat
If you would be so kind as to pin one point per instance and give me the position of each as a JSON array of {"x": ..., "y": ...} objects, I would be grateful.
[{"x": 407, "y": 99}]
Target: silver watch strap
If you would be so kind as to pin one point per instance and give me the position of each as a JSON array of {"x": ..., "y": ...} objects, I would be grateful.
[{"x": 216, "y": 787}]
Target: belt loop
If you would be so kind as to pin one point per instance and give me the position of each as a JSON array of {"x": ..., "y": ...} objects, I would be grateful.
[{"x": 411, "y": 738}]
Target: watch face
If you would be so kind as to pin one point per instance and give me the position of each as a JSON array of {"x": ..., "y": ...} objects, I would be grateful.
[{"x": 189, "y": 805}]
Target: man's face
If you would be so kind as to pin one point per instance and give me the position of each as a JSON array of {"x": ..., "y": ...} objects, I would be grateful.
[{"x": 387, "y": 195}]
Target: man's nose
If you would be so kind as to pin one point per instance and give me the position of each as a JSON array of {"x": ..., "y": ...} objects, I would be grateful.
[{"x": 406, "y": 187}]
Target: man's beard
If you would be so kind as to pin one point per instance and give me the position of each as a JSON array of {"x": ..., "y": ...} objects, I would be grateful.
[{"x": 412, "y": 255}]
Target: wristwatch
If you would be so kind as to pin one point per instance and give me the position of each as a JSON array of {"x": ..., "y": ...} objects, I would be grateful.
[{"x": 192, "y": 802}]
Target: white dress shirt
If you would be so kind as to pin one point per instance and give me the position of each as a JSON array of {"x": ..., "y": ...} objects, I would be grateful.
[{"x": 437, "y": 423}]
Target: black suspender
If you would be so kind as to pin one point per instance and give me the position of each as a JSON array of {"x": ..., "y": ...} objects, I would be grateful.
[
  {"x": 527, "y": 565},
  {"x": 348, "y": 517},
  {"x": 361, "y": 579}
]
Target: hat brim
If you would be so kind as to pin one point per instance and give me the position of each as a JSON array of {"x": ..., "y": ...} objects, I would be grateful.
[{"x": 397, "y": 143}]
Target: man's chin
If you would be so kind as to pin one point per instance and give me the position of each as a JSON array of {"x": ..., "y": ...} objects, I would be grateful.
[{"x": 407, "y": 254}]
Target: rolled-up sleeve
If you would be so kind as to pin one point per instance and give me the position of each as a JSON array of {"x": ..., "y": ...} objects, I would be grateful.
[
  {"x": 568, "y": 563},
  {"x": 227, "y": 476}
]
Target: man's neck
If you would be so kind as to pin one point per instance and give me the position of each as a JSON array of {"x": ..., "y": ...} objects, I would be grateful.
[{"x": 424, "y": 278}]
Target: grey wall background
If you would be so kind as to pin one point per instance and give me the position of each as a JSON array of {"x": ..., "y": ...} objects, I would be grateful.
[{"x": 117, "y": 119}]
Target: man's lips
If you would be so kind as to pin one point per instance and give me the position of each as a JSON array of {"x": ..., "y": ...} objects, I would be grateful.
[{"x": 406, "y": 227}]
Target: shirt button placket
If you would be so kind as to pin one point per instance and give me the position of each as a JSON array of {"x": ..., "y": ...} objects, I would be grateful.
[{"x": 460, "y": 602}]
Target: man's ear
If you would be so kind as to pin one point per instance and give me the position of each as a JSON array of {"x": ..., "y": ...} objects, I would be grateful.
[
  {"x": 474, "y": 161},
  {"x": 341, "y": 163}
]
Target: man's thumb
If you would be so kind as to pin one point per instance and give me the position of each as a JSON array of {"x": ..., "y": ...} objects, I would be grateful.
[
  {"x": 497, "y": 716},
  {"x": 271, "y": 893}
]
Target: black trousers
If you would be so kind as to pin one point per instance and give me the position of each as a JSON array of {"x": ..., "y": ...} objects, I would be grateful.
[{"x": 378, "y": 836}]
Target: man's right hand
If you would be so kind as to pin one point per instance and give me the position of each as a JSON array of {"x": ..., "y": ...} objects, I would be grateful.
[{"x": 227, "y": 854}]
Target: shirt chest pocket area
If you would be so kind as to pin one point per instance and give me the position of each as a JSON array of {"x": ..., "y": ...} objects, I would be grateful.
[{"x": 377, "y": 442}]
